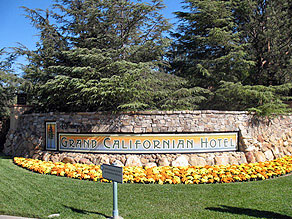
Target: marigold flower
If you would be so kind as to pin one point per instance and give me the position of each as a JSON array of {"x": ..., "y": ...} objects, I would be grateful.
[{"x": 166, "y": 175}]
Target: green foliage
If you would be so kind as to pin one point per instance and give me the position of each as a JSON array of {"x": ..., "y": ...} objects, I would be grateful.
[
  {"x": 267, "y": 28},
  {"x": 263, "y": 100},
  {"x": 208, "y": 47},
  {"x": 119, "y": 92},
  {"x": 61, "y": 94},
  {"x": 8, "y": 82},
  {"x": 186, "y": 99},
  {"x": 245, "y": 43},
  {"x": 111, "y": 56},
  {"x": 101, "y": 55}
]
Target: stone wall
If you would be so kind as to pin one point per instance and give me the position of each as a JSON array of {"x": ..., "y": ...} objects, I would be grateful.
[
  {"x": 259, "y": 139},
  {"x": 4, "y": 127}
]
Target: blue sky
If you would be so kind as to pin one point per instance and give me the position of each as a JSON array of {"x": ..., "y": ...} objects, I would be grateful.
[{"x": 16, "y": 28}]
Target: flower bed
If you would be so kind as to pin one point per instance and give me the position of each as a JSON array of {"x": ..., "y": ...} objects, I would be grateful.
[{"x": 166, "y": 175}]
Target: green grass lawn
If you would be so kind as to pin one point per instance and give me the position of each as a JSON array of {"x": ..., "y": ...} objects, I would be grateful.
[{"x": 24, "y": 193}]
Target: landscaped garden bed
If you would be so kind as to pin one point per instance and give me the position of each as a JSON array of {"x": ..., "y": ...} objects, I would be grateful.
[
  {"x": 166, "y": 175},
  {"x": 28, "y": 194}
]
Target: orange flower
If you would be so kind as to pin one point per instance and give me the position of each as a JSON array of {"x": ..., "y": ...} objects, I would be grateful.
[{"x": 163, "y": 175}]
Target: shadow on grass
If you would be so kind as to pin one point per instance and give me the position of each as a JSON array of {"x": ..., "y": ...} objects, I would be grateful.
[
  {"x": 80, "y": 211},
  {"x": 248, "y": 212}
]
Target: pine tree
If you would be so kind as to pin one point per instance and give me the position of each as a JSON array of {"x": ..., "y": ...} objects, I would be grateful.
[
  {"x": 238, "y": 49},
  {"x": 208, "y": 48},
  {"x": 99, "y": 55},
  {"x": 247, "y": 41},
  {"x": 267, "y": 27},
  {"x": 8, "y": 82},
  {"x": 263, "y": 100}
]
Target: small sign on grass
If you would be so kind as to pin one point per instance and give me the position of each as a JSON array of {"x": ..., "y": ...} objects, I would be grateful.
[{"x": 115, "y": 174}]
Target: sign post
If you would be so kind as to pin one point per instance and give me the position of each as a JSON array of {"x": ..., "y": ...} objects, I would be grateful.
[
  {"x": 115, "y": 200},
  {"x": 115, "y": 174}
]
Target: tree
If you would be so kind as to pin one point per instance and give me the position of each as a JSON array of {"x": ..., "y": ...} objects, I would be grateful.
[
  {"x": 247, "y": 41},
  {"x": 263, "y": 100},
  {"x": 208, "y": 47},
  {"x": 267, "y": 28},
  {"x": 234, "y": 47},
  {"x": 99, "y": 55},
  {"x": 8, "y": 82}
]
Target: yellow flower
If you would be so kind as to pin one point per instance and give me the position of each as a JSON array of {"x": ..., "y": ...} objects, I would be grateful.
[{"x": 162, "y": 175}]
